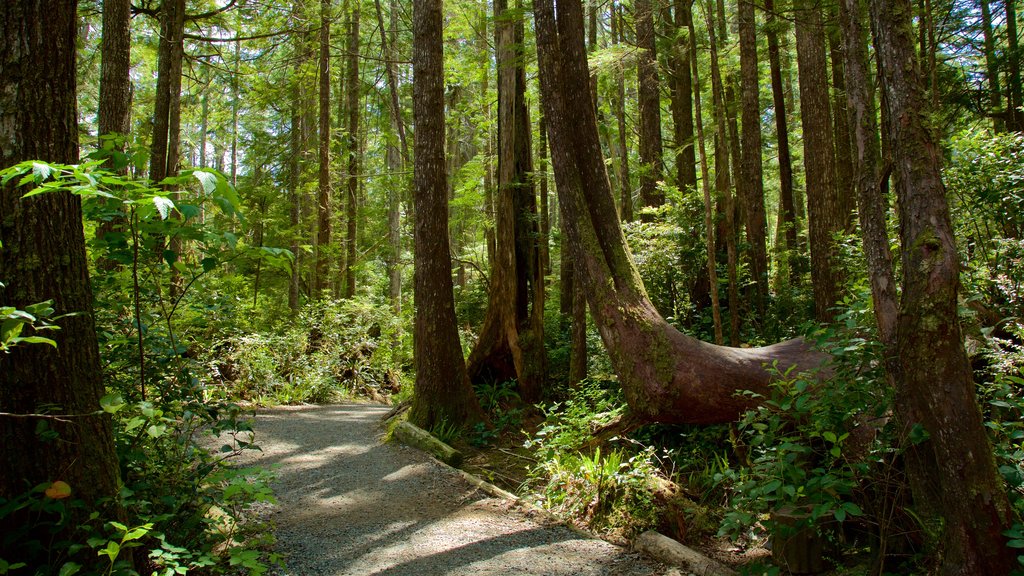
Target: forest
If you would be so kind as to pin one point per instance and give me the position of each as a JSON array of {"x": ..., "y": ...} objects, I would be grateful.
[{"x": 747, "y": 272}]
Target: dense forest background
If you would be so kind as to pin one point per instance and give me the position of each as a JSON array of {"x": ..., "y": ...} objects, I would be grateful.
[{"x": 519, "y": 221}]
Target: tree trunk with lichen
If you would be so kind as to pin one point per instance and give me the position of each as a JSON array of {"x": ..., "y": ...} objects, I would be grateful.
[{"x": 935, "y": 392}]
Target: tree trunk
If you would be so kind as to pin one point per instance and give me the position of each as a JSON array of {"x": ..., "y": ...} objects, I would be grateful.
[
  {"x": 841, "y": 126},
  {"x": 786, "y": 229},
  {"x": 819, "y": 157},
  {"x": 510, "y": 344},
  {"x": 666, "y": 376},
  {"x": 43, "y": 257},
  {"x": 394, "y": 162},
  {"x": 682, "y": 103},
  {"x": 935, "y": 389},
  {"x": 443, "y": 393},
  {"x": 619, "y": 103},
  {"x": 649, "y": 105},
  {"x": 322, "y": 278},
  {"x": 352, "y": 146},
  {"x": 868, "y": 173},
  {"x": 709, "y": 209},
  {"x": 722, "y": 179},
  {"x": 545, "y": 219},
  {"x": 992, "y": 69},
  {"x": 1015, "y": 117},
  {"x": 752, "y": 171},
  {"x": 115, "y": 110}
]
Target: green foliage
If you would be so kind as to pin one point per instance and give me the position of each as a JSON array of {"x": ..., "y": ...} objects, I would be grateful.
[
  {"x": 37, "y": 317},
  {"x": 341, "y": 348},
  {"x": 813, "y": 445}
]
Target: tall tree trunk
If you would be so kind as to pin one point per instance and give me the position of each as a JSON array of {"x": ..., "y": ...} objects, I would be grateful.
[
  {"x": 545, "y": 218},
  {"x": 786, "y": 235},
  {"x": 868, "y": 173},
  {"x": 722, "y": 180},
  {"x": 752, "y": 171},
  {"x": 682, "y": 102},
  {"x": 841, "y": 126},
  {"x": 995, "y": 94},
  {"x": 649, "y": 103},
  {"x": 619, "y": 102},
  {"x": 43, "y": 258},
  {"x": 935, "y": 389},
  {"x": 819, "y": 157},
  {"x": 394, "y": 162},
  {"x": 115, "y": 110},
  {"x": 352, "y": 146},
  {"x": 322, "y": 278},
  {"x": 1015, "y": 117},
  {"x": 665, "y": 375},
  {"x": 510, "y": 345},
  {"x": 443, "y": 393},
  {"x": 709, "y": 209}
]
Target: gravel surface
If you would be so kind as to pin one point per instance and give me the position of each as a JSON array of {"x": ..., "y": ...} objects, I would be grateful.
[{"x": 348, "y": 504}]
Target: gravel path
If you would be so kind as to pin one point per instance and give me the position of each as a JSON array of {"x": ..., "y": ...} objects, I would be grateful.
[{"x": 348, "y": 504}]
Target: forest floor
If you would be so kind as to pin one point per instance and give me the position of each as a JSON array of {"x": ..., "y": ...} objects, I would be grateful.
[{"x": 349, "y": 504}]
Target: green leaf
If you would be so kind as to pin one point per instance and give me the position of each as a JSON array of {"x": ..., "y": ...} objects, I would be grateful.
[
  {"x": 111, "y": 551},
  {"x": 830, "y": 437},
  {"x": 840, "y": 514},
  {"x": 137, "y": 532},
  {"x": 111, "y": 403},
  {"x": 68, "y": 569},
  {"x": 1015, "y": 543},
  {"x": 209, "y": 263},
  {"x": 163, "y": 205},
  {"x": 36, "y": 340},
  {"x": 207, "y": 179},
  {"x": 41, "y": 171}
]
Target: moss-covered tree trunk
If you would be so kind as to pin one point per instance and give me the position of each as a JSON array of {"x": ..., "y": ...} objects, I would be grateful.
[
  {"x": 666, "y": 375},
  {"x": 42, "y": 257},
  {"x": 935, "y": 390}
]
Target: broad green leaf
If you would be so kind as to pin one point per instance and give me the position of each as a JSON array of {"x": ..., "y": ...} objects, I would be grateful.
[
  {"x": 163, "y": 205},
  {"x": 111, "y": 551},
  {"x": 207, "y": 179},
  {"x": 111, "y": 403},
  {"x": 41, "y": 171},
  {"x": 36, "y": 340}
]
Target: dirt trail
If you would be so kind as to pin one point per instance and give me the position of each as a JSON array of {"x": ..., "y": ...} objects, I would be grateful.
[{"x": 348, "y": 504}]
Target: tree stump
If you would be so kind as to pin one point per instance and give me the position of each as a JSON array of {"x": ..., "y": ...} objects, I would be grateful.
[{"x": 798, "y": 546}]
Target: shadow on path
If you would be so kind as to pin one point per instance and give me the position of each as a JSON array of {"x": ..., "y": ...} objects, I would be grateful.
[{"x": 348, "y": 504}]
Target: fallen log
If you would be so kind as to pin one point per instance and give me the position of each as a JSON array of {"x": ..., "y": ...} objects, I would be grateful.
[
  {"x": 419, "y": 438},
  {"x": 668, "y": 551}
]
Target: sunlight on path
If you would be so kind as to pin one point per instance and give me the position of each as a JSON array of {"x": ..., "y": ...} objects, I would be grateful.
[{"x": 348, "y": 504}]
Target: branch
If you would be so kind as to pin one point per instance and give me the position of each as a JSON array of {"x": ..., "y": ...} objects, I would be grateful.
[
  {"x": 211, "y": 13},
  {"x": 56, "y": 417},
  {"x": 239, "y": 38}
]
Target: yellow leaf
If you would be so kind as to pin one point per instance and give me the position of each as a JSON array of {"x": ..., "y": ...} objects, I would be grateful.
[{"x": 58, "y": 490}]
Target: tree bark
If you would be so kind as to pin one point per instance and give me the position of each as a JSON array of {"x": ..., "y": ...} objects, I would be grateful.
[
  {"x": 443, "y": 392},
  {"x": 935, "y": 389},
  {"x": 868, "y": 173},
  {"x": 619, "y": 103},
  {"x": 649, "y": 103},
  {"x": 42, "y": 258},
  {"x": 352, "y": 147},
  {"x": 322, "y": 278},
  {"x": 992, "y": 69},
  {"x": 752, "y": 170},
  {"x": 709, "y": 208},
  {"x": 665, "y": 375},
  {"x": 1015, "y": 117},
  {"x": 682, "y": 102},
  {"x": 115, "y": 110},
  {"x": 786, "y": 230},
  {"x": 819, "y": 157},
  {"x": 511, "y": 343}
]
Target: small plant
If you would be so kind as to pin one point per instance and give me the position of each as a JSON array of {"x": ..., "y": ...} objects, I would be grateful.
[{"x": 446, "y": 431}]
